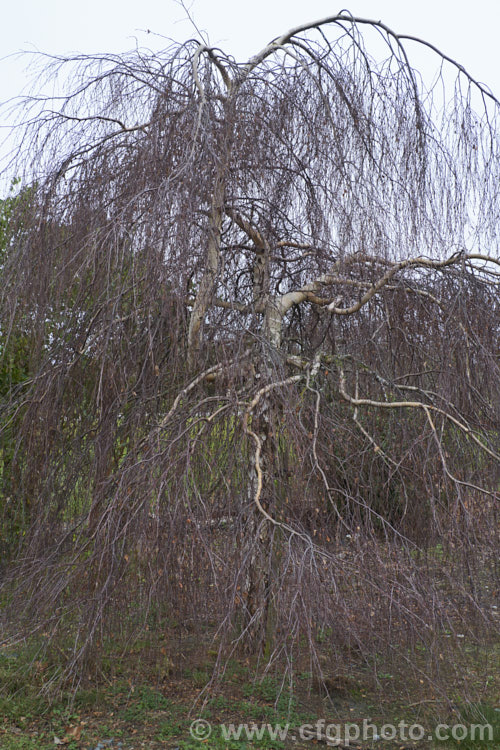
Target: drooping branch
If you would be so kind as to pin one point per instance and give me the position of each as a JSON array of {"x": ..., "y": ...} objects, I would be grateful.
[
  {"x": 281, "y": 41},
  {"x": 427, "y": 408},
  {"x": 279, "y": 306}
]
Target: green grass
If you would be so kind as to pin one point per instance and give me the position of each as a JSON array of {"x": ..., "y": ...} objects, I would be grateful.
[
  {"x": 141, "y": 707},
  {"x": 472, "y": 718}
]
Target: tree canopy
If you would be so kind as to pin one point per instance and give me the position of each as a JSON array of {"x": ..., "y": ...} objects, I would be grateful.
[{"x": 262, "y": 302}]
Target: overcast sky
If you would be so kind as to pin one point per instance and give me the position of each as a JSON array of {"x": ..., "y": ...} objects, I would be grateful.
[{"x": 467, "y": 31}]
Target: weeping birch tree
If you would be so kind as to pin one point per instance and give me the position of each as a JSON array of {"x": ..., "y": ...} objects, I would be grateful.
[{"x": 262, "y": 301}]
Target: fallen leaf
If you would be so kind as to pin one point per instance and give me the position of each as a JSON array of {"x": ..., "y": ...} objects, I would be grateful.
[{"x": 73, "y": 733}]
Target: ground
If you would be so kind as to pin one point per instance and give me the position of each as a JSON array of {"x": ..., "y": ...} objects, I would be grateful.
[{"x": 135, "y": 702}]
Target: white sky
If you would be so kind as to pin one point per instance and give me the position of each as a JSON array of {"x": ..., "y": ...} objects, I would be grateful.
[{"x": 468, "y": 31}]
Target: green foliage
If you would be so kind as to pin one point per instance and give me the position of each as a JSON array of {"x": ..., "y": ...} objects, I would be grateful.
[
  {"x": 15, "y": 367},
  {"x": 7, "y": 206},
  {"x": 14, "y": 344}
]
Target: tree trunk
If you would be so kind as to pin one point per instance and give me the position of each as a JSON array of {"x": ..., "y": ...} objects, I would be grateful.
[{"x": 258, "y": 541}]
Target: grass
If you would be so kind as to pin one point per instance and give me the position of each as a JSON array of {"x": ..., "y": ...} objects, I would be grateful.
[
  {"x": 137, "y": 706},
  {"x": 477, "y": 719}
]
